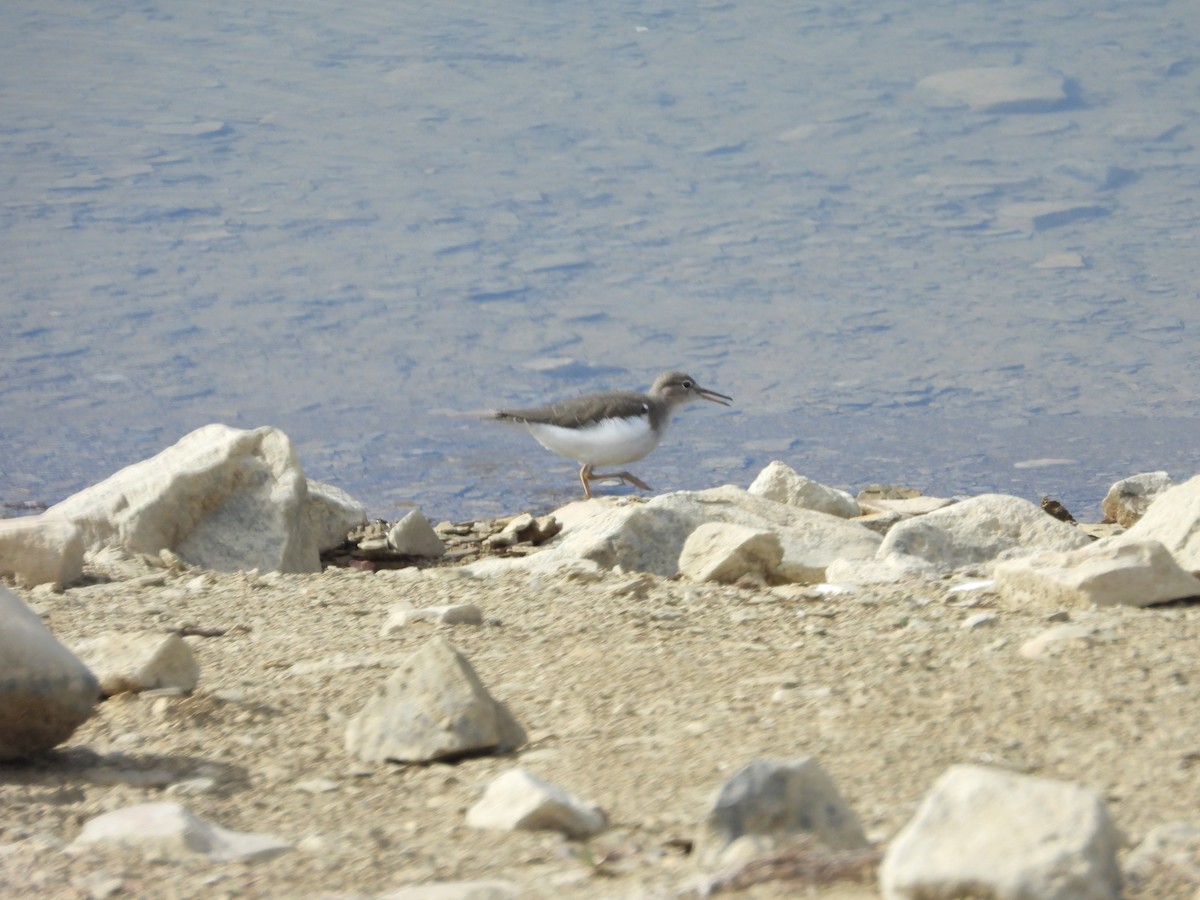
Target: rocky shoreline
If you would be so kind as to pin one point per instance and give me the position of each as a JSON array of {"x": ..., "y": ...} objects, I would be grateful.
[{"x": 770, "y": 691}]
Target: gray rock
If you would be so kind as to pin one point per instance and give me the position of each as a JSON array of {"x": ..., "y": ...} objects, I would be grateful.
[
  {"x": 998, "y": 89},
  {"x": 414, "y": 536},
  {"x": 982, "y": 529},
  {"x": 982, "y": 832},
  {"x": 781, "y": 483},
  {"x": 171, "y": 830},
  {"x": 519, "y": 800},
  {"x": 456, "y": 890},
  {"x": 45, "y": 549},
  {"x": 45, "y": 691},
  {"x": 400, "y": 617},
  {"x": 766, "y": 802},
  {"x": 147, "y": 660},
  {"x": 1128, "y": 499},
  {"x": 432, "y": 707},
  {"x": 1173, "y": 520},
  {"x": 1128, "y": 574},
  {"x": 724, "y": 553},
  {"x": 221, "y": 498}
]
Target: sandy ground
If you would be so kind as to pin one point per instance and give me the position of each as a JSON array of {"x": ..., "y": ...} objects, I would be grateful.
[{"x": 639, "y": 693}]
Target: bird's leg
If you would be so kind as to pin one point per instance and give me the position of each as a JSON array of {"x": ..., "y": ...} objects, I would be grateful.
[{"x": 585, "y": 473}]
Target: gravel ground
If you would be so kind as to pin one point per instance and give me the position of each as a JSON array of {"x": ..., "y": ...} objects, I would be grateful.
[{"x": 639, "y": 693}]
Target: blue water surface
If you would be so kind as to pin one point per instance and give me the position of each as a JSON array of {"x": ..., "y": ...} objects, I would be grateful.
[{"x": 361, "y": 222}]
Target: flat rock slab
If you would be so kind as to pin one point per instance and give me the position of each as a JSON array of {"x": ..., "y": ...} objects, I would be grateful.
[
  {"x": 983, "y": 832},
  {"x": 46, "y": 692},
  {"x": 171, "y": 830},
  {"x": 1139, "y": 573},
  {"x": 1173, "y": 519},
  {"x": 433, "y": 707}
]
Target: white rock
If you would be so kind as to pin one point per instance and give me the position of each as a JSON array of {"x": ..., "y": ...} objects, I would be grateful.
[
  {"x": 414, "y": 536},
  {"x": 400, "y": 617},
  {"x": 980, "y": 530},
  {"x": 1053, "y": 640},
  {"x": 983, "y": 832},
  {"x": 720, "y": 552},
  {"x": 142, "y": 661},
  {"x": 456, "y": 890},
  {"x": 996, "y": 89},
  {"x": 38, "y": 673},
  {"x": 432, "y": 707},
  {"x": 1128, "y": 499},
  {"x": 171, "y": 830},
  {"x": 781, "y": 483},
  {"x": 649, "y": 537},
  {"x": 43, "y": 549},
  {"x": 769, "y": 802},
  {"x": 221, "y": 498},
  {"x": 1130, "y": 574},
  {"x": 520, "y": 801},
  {"x": 1173, "y": 520}
]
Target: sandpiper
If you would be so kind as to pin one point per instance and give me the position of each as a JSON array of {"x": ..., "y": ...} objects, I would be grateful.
[{"x": 610, "y": 428}]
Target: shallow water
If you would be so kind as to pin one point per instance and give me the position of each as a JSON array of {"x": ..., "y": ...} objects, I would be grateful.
[{"x": 359, "y": 222}]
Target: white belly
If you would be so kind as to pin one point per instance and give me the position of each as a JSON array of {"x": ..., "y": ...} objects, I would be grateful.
[{"x": 609, "y": 443}]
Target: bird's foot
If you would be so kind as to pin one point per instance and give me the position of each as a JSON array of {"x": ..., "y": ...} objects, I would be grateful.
[{"x": 627, "y": 477}]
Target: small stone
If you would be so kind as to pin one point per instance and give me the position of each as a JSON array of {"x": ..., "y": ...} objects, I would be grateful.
[
  {"x": 456, "y": 890},
  {"x": 979, "y": 620},
  {"x": 414, "y": 536},
  {"x": 519, "y": 800},
  {"x": 1052, "y": 640},
  {"x": 781, "y": 483},
  {"x": 142, "y": 661},
  {"x": 317, "y": 785},
  {"x": 401, "y": 617}
]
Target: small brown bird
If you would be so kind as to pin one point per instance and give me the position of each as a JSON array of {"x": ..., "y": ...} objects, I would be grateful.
[{"x": 610, "y": 428}]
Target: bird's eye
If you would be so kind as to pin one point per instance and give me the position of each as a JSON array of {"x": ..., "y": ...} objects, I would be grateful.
[{"x": 687, "y": 385}]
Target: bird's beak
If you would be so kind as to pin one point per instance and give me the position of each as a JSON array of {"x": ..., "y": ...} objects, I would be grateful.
[{"x": 706, "y": 394}]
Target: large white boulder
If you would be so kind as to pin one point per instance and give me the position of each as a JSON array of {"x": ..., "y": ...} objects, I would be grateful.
[
  {"x": 1140, "y": 573},
  {"x": 43, "y": 549},
  {"x": 221, "y": 498},
  {"x": 978, "y": 531},
  {"x": 1173, "y": 520},
  {"x": 45, "y": 691},
  {"x": 983, "y": 832}
]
